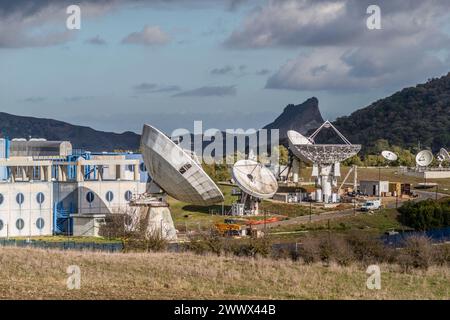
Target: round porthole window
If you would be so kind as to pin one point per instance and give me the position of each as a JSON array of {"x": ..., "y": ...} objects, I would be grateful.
[
  {"x": 40, "y": 223},
  {"x": 90, "y": 196},
  {"x": 20, "y": 198},
  {"x": 40, "y": 198},
  {"x": 128, "y": 195},
  {"x": 20, "y": 224},
  {"x": 1, "y": 225},
  {"x": 109, "y": 196},
  {"x": 1, "y": 198}
]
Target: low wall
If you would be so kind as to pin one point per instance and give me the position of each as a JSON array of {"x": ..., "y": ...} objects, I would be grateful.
[{"x": 434, "y": 174}]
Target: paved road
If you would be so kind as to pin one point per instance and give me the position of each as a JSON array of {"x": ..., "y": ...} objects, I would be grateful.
[{"x": 345, "y": 213}]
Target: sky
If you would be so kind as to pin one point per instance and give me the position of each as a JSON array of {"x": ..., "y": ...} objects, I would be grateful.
[{"x": 229, "y": 63}]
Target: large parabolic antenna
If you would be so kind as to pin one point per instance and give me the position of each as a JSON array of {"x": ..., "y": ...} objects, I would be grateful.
[
  {"x": 256, "y": 182},
  {"x": 389, "y": 155},
  {"x": 179, "y": 174},
  {"x": 175, "y": 171},
  {"x": 325, "y": 158},
  {"x": 424, "y": 158}
]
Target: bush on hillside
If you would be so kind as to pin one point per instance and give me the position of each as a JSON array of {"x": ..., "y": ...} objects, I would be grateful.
[{"x": 425, "y": 215}]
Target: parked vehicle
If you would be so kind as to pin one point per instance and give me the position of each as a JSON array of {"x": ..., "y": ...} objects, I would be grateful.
[{"x": 371, "y": 205}]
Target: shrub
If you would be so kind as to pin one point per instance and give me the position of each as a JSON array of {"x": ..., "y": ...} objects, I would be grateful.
[
  {"x": 417, "y": 253},
  {"x": 309, "y": 250},
  {"x": 427, "y": 214},
  {"x": 441, "y": 254},
  {"x": 202, "y": 243},
  {"x": 152, "y": 242},
  {"x": 342, "y": 252},
  {"x": 368, "y": 249},
  {"x": 254, "y": 247}
]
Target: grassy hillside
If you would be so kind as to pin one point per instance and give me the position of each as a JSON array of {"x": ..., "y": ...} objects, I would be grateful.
[{"x": 39, "y": 274}]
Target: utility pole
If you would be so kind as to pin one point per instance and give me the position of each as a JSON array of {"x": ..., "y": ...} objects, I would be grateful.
[
  {"x": 264, "y": 221},
  {"x": 379, "y": 183},
  {"x": 310, "y": 211},
  {"x": 396, "y": 200}
]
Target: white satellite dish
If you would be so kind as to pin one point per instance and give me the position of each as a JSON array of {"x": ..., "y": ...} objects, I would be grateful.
[
  {"x": 444, "y": 154},
  {"x": 256, "y": 182},
  {"x": 424, "y": 158},
  {"x": 254, "y": 179},
  {"x": 389, "y": 155},
  {"x": 172, "y": 169}
]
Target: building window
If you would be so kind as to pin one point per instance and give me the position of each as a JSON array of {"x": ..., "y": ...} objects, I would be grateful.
[
  {"x": 109, "y": 196},
  {"x": 40, "y": 198},
  {"x": 40, "y": 223},
  {"x": 20, "y": 224},
  {"x": 1, "y": 225},
  {"x": 90, "y": 196},
  {"x": 142, "y": 167},
  {"x": 128, "y": 195},
  {"x": 1, "y": 198},
  {"x": 20, "y": 198}
]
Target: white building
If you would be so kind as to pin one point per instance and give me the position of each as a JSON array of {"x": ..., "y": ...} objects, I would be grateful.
[
  {"x": 40, "y": 195},
  {"x": 373, "y": 188}
]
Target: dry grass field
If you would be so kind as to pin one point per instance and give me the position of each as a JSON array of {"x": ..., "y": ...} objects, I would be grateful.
[{"x": 40, "y": 274}]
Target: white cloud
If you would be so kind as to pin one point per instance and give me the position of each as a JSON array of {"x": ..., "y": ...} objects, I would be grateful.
[
  {"x": 355, "y": 69},
  {"x": 209, "y": 91},
  {"x": 299, "y": 23},
  {"x": 338, "y": 51},
  {"x": 149, "y": 36}
]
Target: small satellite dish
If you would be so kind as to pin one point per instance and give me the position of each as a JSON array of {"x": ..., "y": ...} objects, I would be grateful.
[
  {"x": 389, "y": 155},
  {"x": 424, "y": 158},
  {"x": 444, "y": 154},
  {"x": 175, "y": 171},
  {"x": 254, "y": 179}
]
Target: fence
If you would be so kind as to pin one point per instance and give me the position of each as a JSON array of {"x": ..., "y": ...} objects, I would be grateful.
[{"x": 64, "y": 245}]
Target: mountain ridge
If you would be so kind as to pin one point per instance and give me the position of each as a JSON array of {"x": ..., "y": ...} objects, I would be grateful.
[
  {"x": 302, "y": 118},
  {"x": 81, "y": 137},
  {"x": 413, "y": 115}
]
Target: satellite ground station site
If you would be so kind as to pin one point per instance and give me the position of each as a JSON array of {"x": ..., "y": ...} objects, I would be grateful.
[{"x": 224, "y": 159}]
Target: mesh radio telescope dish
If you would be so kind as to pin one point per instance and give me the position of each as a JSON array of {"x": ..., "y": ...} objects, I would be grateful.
[
  {"x": 254, "y": 179},
  {"x": 424, "y": 158},
  {"x": 325, "y": 158},
  {"x": 389, "y": 155},
  {"x": 327, "y": 153},
  {"x": 175, "y": 171}
]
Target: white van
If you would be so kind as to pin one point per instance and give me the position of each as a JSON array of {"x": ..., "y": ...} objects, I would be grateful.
[{"x": 371, "y": 205}]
